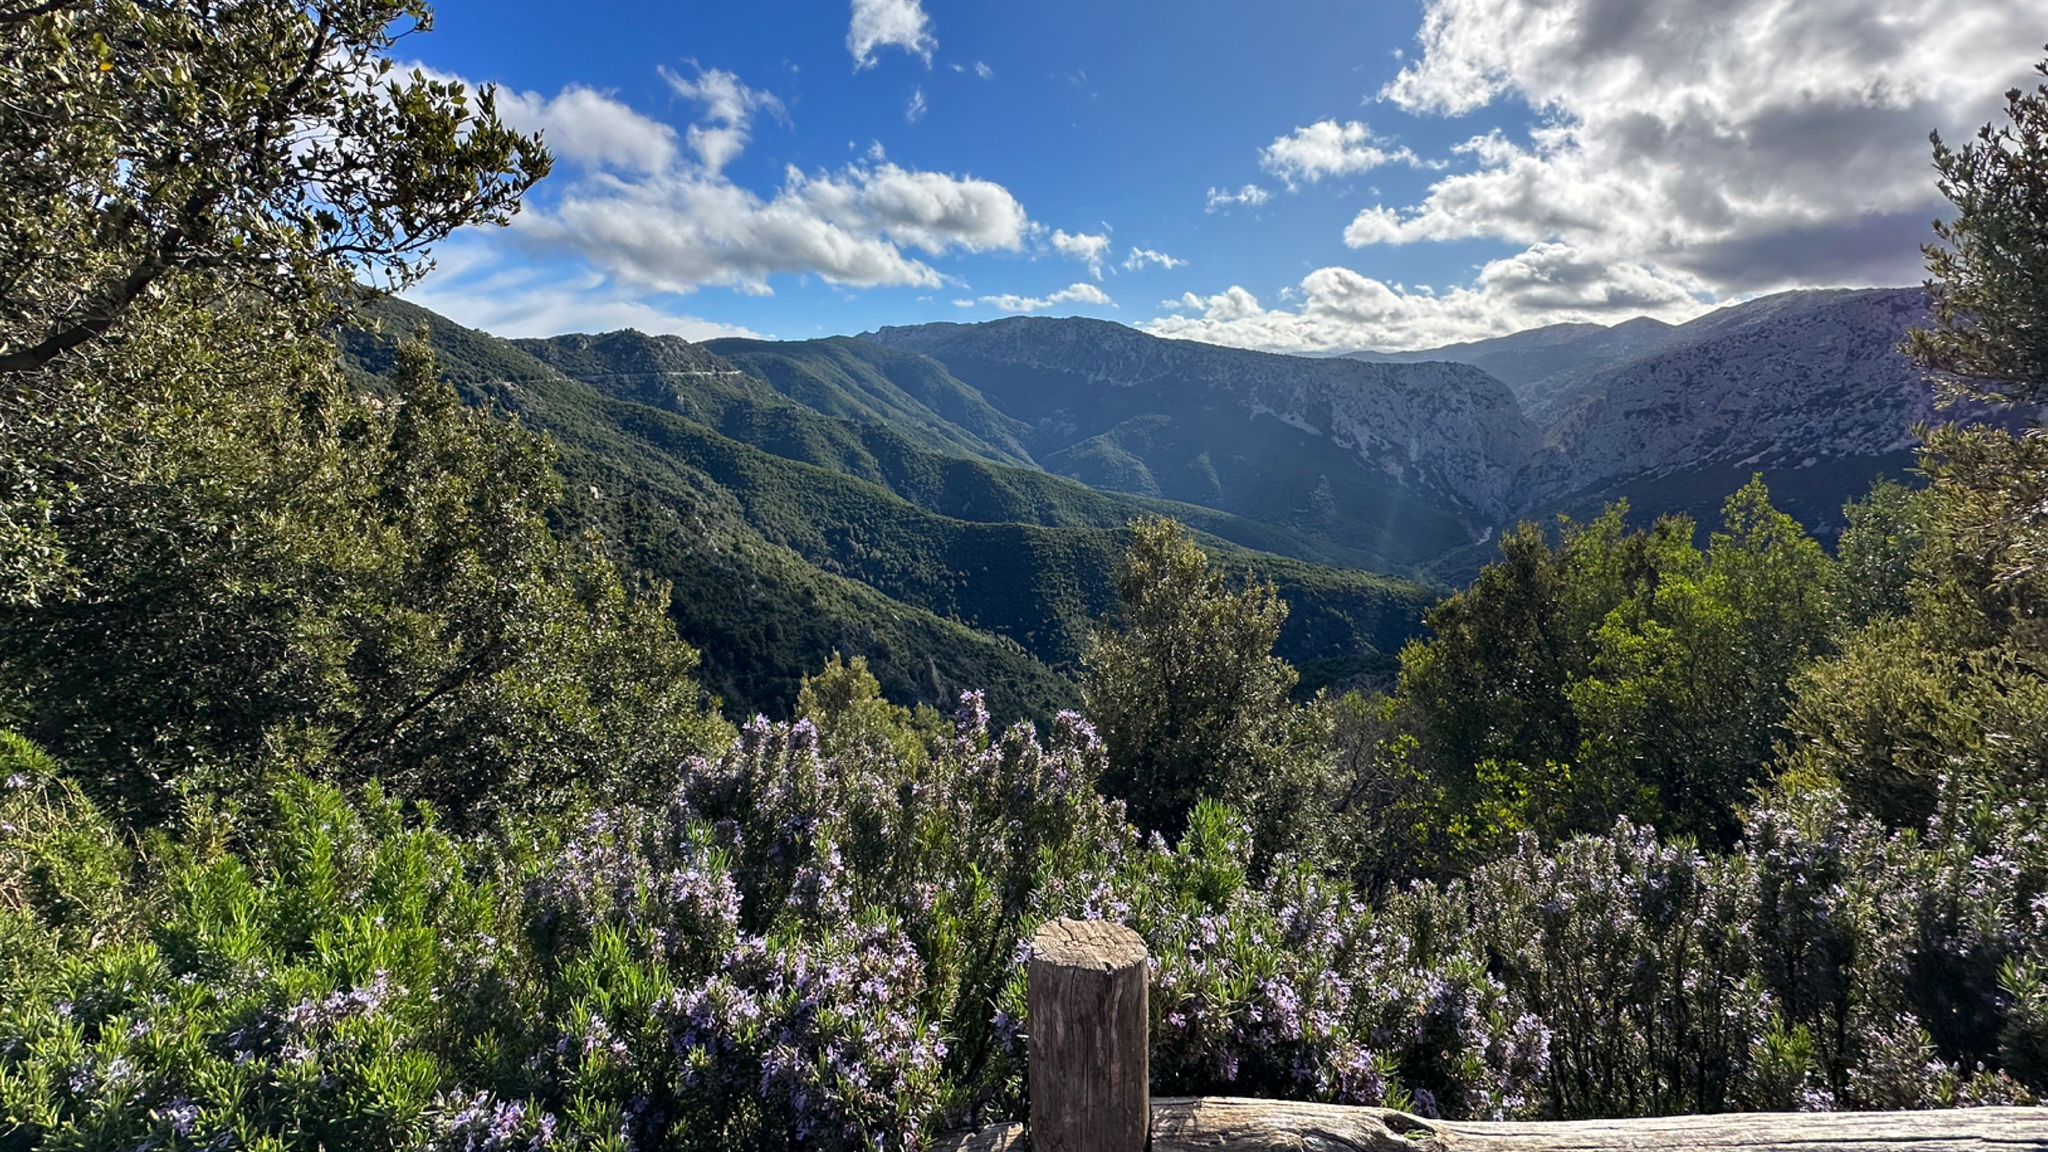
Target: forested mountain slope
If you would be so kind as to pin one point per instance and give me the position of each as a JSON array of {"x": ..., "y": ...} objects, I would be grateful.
[
  {"x": 915, "y": 453},
  {"x": 761, "y": 614},
  {"x": 836, "y": 535},
  {"x": 936, "y": 468},
  {"x": 1401, "y": 462},
  {"x": 911, "y": 396},
  {"x": 861, "y": 381}
]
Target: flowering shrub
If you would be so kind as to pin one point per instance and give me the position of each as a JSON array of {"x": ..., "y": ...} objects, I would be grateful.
[
  {"x": 820, "y": 940},
  {"x": 1632, "y": 952},
  {"x": 954, "y": 839},
  {"x": 312, "y": 985},
  {"x": 828, "y": 1040},
  {"x": 1825, "y": 963},
  {"x": 816, "y": 927},
  {"x": 1287, "y": 985}
]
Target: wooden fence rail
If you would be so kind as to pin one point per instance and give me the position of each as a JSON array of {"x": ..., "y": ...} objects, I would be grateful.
[{"x": 1089, "y": 1078}]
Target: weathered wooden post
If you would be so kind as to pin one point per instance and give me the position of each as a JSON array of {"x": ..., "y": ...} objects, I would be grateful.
[{"x": 1091, "y": 1062}]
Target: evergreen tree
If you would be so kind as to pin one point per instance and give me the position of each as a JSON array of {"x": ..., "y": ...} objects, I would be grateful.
[
  {"x": 1880, "y": 550},
  {"x": 1939, "y": 712},
  {"x": 261, "y": 146},
  {"x": 1618, "y": 673},
  {"x": 1183, "y": 683},
  {"x": 217, "y": 560},
  {"x": 270, "y": 570},
  {"x": 1988, "y": 267}
]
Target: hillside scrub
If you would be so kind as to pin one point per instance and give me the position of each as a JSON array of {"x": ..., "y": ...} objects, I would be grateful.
[{"x": 818, "y": 939}]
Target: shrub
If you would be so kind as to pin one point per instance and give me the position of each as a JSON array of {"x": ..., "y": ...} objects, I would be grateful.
[{"x": 317, "y": 983}]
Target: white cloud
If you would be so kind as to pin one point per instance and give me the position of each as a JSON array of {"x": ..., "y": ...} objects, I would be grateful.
[
  {"x": 671, "y": 220},
  {"x": 470, "y": 289},
  {"x": 729, "y": 108},
  {"x": 1327, "y": 148},
  {"x": 1140, "y": 257},
  {"x": 982, "y": 70},
  {"x": 917, "y": 108},
  {"x": 1081, "y": 293},
  {"x": 889, "y": 24},
  {"x": 1233, "y": 303},
  {"x": 1376, "y": 225},
  {"x": 1090, "y": 249},
  {"x": 1251, "y": 196},
  {"x": 850, "y": 227},
  {"x": 930, "y": 211},
  {"x": 1340, "y": 310},
  {"x": 1753, "y": 144},
  {"x": 583, "y": 126},
  {"x": 681, "y": 232},
  {"x": 1686, "y": 154}
]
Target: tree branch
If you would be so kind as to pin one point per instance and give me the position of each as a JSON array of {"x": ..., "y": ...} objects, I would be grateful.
[
  {"x": 90, "y": 326},
  {"x": 12, "y": 15}
]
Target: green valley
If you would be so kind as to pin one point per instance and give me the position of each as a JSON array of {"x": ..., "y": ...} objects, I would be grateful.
[{"x": 793, "y": 533}]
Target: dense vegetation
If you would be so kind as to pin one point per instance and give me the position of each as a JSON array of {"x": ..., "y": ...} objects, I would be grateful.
[{"x": 352, "y": 794}]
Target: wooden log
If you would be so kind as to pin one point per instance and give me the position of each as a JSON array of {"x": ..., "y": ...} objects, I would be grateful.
[
  {"x": 1227, "y": 1124},
  {"x": 1090, "y": 1067},
  {"x": 1088, "y": 1033}
]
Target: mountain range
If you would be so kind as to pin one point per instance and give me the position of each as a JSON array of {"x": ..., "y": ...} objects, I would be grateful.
[
  {"x": 788, "y": 534},
  {"x": 950, "y": 500},
  {"x": 1807, "y": 388}
]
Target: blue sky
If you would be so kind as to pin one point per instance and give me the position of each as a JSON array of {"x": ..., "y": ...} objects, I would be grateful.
[{"x": 1308, "y": 176}]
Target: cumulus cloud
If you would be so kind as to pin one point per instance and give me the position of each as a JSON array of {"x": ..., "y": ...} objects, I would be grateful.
[
  {"x": 1340, "y": 310},
  {"x": 1081, "y": 293},
  {"x": 1233, "y": 303},
  {"x": 931, "y": 211},
  {"x": 982, "y": 70},
  {"x": 729, "y": 106},
  {"x": 1684, "y": 154},
  {"x": 881, "y": 24},
  {"x": 1327, "y": 148},
  {"x": 851, "y": 227},
  {"x": 1250, "y": 196},
  {"x": 1753, "y": 143},
  {"x": 671, "y": 220},
  {"x": 583, "y": 126},
  {"x": 1140, "y": 257},
  {"x": 916, "y": 109},
  {"x": 678, "y": 233},
  {"x": 1089, "y": 249}
]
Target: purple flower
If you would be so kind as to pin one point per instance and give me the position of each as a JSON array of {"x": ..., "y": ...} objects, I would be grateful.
[{"x": 181, "y": 1114}]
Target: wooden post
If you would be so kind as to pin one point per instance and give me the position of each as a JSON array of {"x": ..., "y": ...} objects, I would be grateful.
[{"x": 1090, "y": 1063}]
